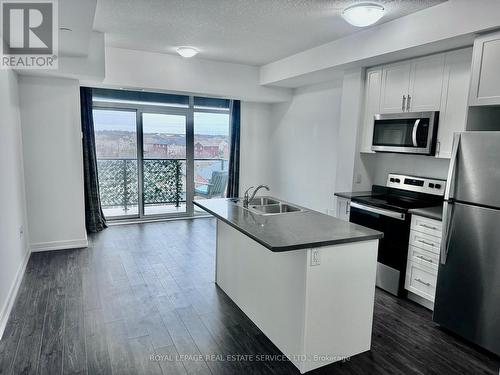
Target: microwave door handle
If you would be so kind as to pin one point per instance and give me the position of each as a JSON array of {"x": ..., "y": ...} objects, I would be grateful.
[{"x": 414, "y": 133}]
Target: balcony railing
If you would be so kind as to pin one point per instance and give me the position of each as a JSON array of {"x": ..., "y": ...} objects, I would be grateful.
[{"x": 164, "y": 180}]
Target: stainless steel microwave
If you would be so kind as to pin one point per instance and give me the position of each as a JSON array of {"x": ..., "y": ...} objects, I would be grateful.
[{"x": 408, "y": 132}]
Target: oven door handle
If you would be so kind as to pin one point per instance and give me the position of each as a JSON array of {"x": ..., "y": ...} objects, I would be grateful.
[
  {"x": 414, "y": 133},
  {"x": 379, "y": 211}
]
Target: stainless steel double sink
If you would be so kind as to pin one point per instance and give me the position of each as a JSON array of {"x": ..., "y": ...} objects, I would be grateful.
[{"x": 270, "y": 206}]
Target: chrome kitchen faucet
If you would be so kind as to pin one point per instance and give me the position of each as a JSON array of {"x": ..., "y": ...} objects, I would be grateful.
[{"x": 246, "y": 199}]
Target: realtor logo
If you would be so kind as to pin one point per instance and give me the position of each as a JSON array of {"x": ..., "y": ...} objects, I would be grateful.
[{"x": 29, "y": 34}]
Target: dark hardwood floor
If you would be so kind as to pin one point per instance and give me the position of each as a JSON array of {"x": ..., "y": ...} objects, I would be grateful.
[{"x": 142, "y": 300}]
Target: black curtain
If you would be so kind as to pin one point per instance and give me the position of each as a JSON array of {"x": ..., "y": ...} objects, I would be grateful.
[
  {"x": 94, "y": 217},
  {"x": 233, "y": 185}
]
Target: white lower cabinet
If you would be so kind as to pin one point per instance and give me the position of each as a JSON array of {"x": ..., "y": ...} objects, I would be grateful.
[
  {"x": 423, "y": 257},
  {"x": 421, "y": 280},
  {"x": 343, "y": 208},
  {"x": 423, "y": 260}
]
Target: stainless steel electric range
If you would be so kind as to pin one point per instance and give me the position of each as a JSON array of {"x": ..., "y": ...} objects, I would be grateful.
[{"x": 386, "y": 210}]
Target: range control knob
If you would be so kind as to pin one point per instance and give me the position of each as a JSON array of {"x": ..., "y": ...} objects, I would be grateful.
[
  {"x": 437, "y": 186},
  {"x": 392, "y": 180},
  {"x": 398, "y": 180},
  {"x": 431, "y": 185}
]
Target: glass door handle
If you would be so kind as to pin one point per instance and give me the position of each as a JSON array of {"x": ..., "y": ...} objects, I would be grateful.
[{"x": 403, "y": 105}]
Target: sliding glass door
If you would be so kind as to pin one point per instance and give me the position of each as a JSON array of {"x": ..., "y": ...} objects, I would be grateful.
[
  {"x": 117, "y": 162},
  {"x": 164, "y": 164},
  {"x": 158, "y": 152},
  {"x": 145, "y": 162}
]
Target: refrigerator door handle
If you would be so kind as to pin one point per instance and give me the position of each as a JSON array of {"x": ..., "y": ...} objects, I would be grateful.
[
  {"x": 453, "y": 162},
  {"x": 448, "y": 202},
  {"x": 447, "y": 219}
]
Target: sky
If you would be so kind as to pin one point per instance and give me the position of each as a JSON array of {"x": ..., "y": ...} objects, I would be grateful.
[{"x": 204, "y": 123}]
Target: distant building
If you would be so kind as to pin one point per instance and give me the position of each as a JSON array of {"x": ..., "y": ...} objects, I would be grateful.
[{"x": 211, "y": 148}]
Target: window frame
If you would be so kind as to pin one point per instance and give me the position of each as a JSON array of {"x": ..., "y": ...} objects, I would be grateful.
[{"x": 173, "y": 109}]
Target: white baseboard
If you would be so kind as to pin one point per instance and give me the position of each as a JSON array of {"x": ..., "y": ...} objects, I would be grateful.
[
  {"x": 11, "y": 297},
  {"x": 59, "y": 245}
]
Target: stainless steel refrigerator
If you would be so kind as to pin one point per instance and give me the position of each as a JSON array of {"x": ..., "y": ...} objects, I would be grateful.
[{"x": 468, "y": 288}]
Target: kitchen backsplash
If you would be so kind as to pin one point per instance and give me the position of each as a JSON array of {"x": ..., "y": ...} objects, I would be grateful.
[{"x": 380, "y": 165}]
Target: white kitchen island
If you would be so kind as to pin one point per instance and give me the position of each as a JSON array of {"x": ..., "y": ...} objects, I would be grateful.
[{"x": 312, "y": 297}]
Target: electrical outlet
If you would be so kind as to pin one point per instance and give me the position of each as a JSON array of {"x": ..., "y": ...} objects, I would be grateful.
[{"x": 315, "y": 257}]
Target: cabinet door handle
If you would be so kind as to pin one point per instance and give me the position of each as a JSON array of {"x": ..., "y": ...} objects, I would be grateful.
[
  {"x": 438, "y": 148},
  {"x": 426, "y": 243},
  {"x": 424, "y": 258},
  {"x": 403, "y": 105},
  {"x": 408, "y": 103},
  {"x": 346, "y": 208},
  {"x": 428, "y": 226},
  {"x": 422, "y": 282}
]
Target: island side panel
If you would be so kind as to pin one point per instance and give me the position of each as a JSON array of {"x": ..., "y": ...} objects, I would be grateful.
[
  {"x": 339, "y": 303},
  {"x": 269, "y": 287}
]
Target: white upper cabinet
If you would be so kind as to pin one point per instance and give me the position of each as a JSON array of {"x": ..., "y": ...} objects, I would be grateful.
[
  {"x": 453, "y": 115},
  {"x": 372, "y": 106},
  {"x": 426, "y": 81},
  {"x": 412, "y": 86},
  {"x": 485, "y": 82},
  {"x": 395, "y": 87},
  {"x": 432, "y": 83}
]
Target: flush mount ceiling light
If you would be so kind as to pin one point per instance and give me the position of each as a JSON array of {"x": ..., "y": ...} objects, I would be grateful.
[
  {"x": 187, "y": 51},
  {"x": 363, "y": 14}
]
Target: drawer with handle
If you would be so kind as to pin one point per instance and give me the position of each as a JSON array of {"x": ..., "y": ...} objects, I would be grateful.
[
  {"x": 426, "y": 225},
  {"x": 425, "y": 241},
  {"x": 421, "y": 280},
  {"x": 423, "y": 257}
]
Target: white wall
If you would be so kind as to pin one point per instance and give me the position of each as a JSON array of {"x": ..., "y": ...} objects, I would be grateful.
[
  {"x": 159, "y": 71},
  {"x": 380, "y": 165},
  {"x": 303, "y": 141},
  {"x": 254, "y": 144},
  {"x": 13, "y": 246},
  {"x": 349, "y": 128},
  {"x": 50, "y": 118},
  {"x": 88, "y": 66}
]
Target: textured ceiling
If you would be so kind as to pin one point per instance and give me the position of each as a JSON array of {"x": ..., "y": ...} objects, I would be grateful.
[{"x": 245, "y": 31}]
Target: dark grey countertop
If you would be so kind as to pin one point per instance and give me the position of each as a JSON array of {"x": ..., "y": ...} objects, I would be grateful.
[
  {"x": 435, "y": 212},
  {"x": 291, "y": 231},
  {"x": 352, "y": 194}
]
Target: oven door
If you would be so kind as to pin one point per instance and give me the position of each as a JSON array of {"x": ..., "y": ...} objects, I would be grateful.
[
  {"x": 405, "y": 132},
  {"x": 393, "y": 248}
]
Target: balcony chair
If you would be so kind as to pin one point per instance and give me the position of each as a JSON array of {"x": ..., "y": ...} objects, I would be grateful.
[{"x": 215, "y": 188}]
